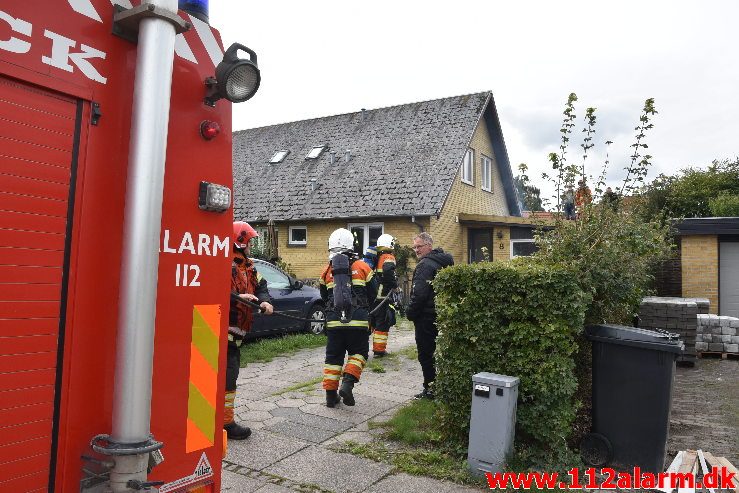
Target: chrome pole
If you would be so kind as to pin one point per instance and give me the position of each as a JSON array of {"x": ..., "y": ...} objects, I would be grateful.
[{"x": 142, "y": 225}]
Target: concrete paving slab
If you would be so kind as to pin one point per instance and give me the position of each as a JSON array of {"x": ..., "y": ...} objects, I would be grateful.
[
  {"x": 330, "y": 470},
  {"x": 315, "y": 397},
  {"x": 374, "y": 406},
  {"x": 260, "y": 405},
  {"x": 351, "y": 436},
  {"x": 254, "y": 416},
  {"x": 274, "y": 421},
  {"x": 237, "y": 483},
  {"x": 302, "y": 432},
  {"x": 298, "y": 416},
  {"x": 367, "y": 394},
  {"x": 340, "y": 412},
  {"x": 417, "y": 484},
  {"x": 262, "y": 449},
  {"x": 290, "y": 403},
  {"x": 274, "y": 488}
]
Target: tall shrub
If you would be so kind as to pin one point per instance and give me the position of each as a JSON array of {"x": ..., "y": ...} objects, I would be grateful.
[{"x": 517, "y": 319}]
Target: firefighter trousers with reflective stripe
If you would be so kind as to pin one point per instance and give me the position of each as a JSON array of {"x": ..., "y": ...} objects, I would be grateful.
[
  {"x": 426, "y": 333},
  {"x": 341, "y": 342}
]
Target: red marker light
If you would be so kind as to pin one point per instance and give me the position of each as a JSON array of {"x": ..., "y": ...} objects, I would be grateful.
[{"x": 209, "y": 129}]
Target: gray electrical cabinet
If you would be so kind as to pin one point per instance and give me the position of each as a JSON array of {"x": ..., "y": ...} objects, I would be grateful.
[{"x": 493, "y": 421}]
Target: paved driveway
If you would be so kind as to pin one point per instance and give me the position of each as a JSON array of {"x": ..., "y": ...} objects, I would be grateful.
[{"x": 293, "y": 429}]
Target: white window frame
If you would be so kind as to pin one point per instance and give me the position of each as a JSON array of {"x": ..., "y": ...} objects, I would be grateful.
[
  {"x": 315, "y": 152},
  {"x": 366, "y": 227},
  {"x": 468, "y": 167},
  {"x": 487, "y": 173},
  {"x": 290, "y": 235},
  {"x": 520, "y": 241},
  {"x": 278, "y": 156}
]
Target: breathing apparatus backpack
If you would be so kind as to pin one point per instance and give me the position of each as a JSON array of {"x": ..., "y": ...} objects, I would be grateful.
[{"x": 342, "y": 272}]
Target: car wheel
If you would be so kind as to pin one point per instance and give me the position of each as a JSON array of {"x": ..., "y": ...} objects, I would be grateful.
[{"x": 317, "y": 325}]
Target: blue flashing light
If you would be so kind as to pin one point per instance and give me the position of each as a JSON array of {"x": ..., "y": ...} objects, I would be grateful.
[{"x": 196, "y": 8}]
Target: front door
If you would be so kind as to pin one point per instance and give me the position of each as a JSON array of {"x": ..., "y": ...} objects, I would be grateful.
[{"x": 480, "y": 245}]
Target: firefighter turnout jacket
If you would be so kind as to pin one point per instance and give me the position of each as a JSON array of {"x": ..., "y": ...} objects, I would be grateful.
[
  {"x": 364, "y": 290},
  {"x": 244, "y": 280},
  {"x": 386, "y": 274}
]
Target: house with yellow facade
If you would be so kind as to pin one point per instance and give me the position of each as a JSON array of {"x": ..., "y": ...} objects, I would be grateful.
[{"x": 438, "y": 166}]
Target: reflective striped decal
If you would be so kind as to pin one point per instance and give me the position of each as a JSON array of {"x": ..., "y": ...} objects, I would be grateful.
[
  {"x": 354, "y": 365},
  {"x": 350, "y": 323},
  {"x": 203, "y": 390},
  {"x": 331, "y": 376},
  {"x": 208, "y": 39},
  {"x": 182, "y": 48}
]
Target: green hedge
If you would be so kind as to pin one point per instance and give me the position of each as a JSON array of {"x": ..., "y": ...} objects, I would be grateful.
[{"x": 516, "y": 319}]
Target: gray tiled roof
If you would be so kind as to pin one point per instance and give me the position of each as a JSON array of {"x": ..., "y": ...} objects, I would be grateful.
[{"x": 403, "y": 160}]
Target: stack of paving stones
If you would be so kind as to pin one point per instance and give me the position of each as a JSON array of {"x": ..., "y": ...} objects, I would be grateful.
[
  {"x": 717, "y": 334},
  {"x": 677, "y": 315}
]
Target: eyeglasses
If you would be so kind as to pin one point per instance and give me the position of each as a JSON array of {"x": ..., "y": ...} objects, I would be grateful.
[{"x": 416, "y": 247}]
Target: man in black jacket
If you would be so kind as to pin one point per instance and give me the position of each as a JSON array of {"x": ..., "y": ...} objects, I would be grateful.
[{"x": 421, "y": 308}]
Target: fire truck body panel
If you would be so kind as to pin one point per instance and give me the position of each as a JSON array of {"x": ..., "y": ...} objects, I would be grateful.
[{"x": 62, "y": 204}]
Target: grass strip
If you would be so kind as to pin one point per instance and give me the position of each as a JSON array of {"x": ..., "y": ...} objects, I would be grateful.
[
  {"x": 415, "y": 461},
  {"x": 300, "y": 387},
  {"x": 265, "y": 350}
]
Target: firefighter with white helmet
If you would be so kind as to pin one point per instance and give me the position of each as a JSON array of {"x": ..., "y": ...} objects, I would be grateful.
[
  {"x": 384, "y": 317},
  {"x": 347, "y": 287},
  {"x": 250, "y": 286}
]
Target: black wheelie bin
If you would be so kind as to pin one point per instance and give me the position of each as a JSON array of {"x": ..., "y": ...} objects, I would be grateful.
[{"x": 633, "y": 372}]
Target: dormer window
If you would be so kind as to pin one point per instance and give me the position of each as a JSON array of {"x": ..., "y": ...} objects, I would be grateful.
[
  {"x": 278, "y": 157},
  {"x": 315, "y": 152}
]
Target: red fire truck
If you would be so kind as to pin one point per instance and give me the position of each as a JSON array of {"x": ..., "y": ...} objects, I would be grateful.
[{"x": 115, "y": 221}]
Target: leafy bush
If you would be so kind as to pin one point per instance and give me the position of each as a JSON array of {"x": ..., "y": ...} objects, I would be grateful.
[
  {"x": 612, "y": 254},
  {"x": 690, "y": 192},
  {"x": 725, "y": 205},
  {"x": 517, "y": 319},
  {"x": 403, "y": 254}
]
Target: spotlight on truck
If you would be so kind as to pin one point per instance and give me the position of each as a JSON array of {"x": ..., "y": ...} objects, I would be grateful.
[{"x": 236, "y": 79}]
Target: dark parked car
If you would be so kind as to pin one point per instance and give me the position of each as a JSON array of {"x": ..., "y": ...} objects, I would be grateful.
[{"x": 288, "y": 296}]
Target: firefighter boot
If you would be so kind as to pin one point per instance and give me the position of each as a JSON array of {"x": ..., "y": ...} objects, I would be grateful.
[
  {"x": 347, "y": 384},
  {"x": 332, "y": 398},
  {"x": 235, "y": 431}
]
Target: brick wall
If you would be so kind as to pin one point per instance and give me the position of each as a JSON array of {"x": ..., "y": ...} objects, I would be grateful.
[
  {"x": 471, "y": 199},
  {"x": 699, "y": 268},
  {"x": 308, "y": 261}
]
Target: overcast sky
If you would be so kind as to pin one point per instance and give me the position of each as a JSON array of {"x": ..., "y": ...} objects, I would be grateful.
[{"x": 329, "y": 57}]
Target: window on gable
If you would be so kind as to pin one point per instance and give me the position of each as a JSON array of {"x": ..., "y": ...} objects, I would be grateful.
[
  {"x": 468, "y": 167},
  {"x": 298, "y": 235},
  {"x": 315, "y": 152},
  {"x": 278, "y": 157},
  {"x": 487, "y": 174}
]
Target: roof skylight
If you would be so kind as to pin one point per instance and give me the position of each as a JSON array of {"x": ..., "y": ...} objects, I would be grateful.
[
  {"x": 278, "y": 157},
  {"x": 315, "y": 152}
]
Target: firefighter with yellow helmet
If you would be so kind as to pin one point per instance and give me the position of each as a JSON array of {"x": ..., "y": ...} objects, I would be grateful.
[
  {"x": 347, "y": 287},
  {"x": 249, "y": 285},
  {"x": 384, "y": 316}
]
